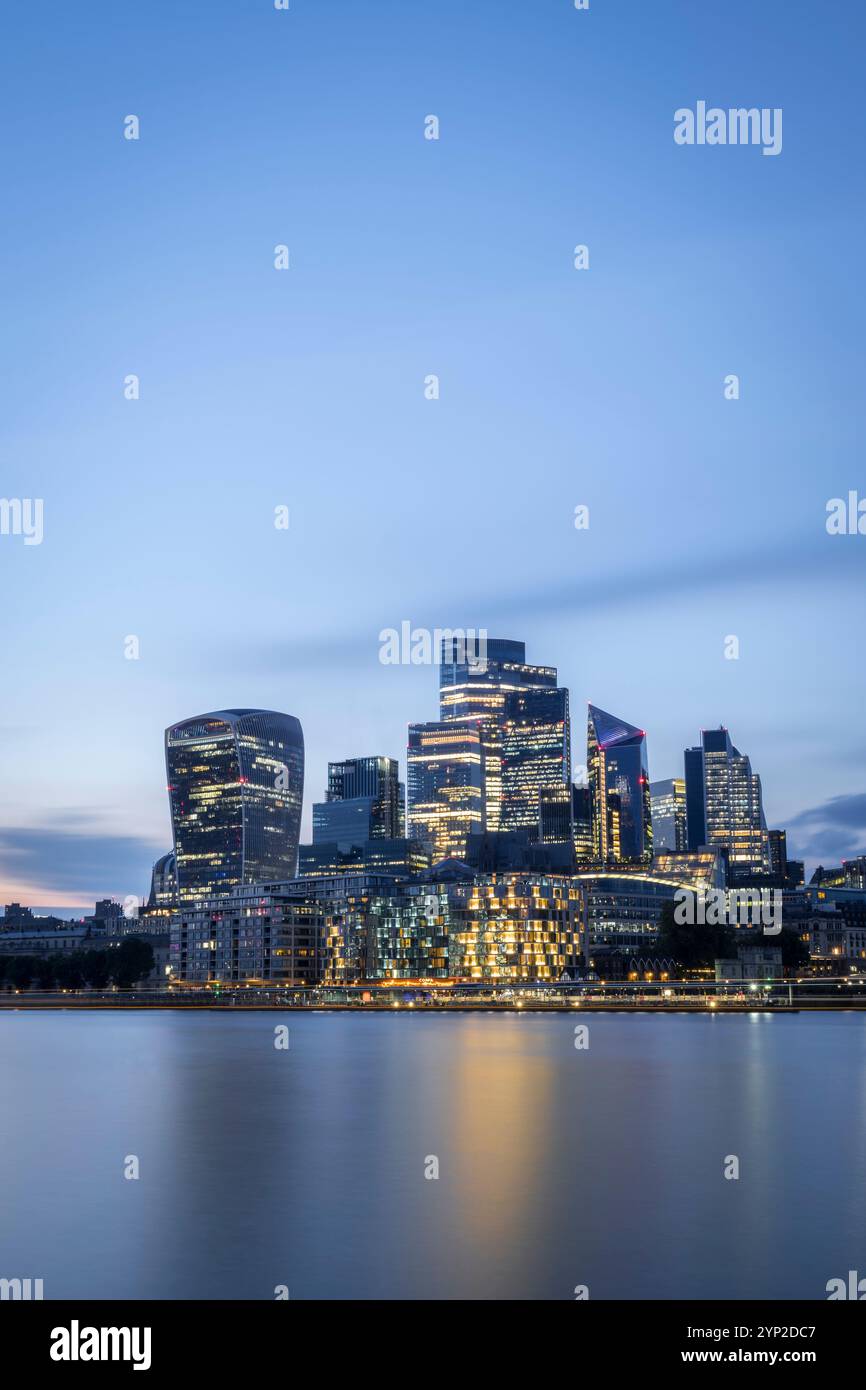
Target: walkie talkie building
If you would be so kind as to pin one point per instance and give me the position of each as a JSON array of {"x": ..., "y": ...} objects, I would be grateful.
[{"x": 235, "y": 789}]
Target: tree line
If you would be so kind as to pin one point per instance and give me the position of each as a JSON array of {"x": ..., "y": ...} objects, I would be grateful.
[
  {"x": 122, "y": 965},
  {"x": 694, "y": 947}
]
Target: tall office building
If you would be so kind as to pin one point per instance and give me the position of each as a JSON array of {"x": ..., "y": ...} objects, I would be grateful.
[
  {"x": 581, "y": 803},
  {"x": 235, "y": 788},
  {"x": 619, "y": 781},
  {"x": 526, "y": 730},
  {"x": 668, "y": 807},
  {"x": 364, "y": 801},
  {"x": 555, "y": 816},
  {"x": 565, "y": 817},
  {"x": 445, "y": 767},
  {"x": 724, "y": 802},
  {"x": 696, "y": 816}
]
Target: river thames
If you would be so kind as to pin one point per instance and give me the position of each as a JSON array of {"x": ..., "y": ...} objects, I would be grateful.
[{"x": 304, "y": 1167}]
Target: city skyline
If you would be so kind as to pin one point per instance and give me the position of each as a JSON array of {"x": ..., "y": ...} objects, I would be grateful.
[
  {"x": 305, "y": 389},
  {"x": 616, "y": 731}
]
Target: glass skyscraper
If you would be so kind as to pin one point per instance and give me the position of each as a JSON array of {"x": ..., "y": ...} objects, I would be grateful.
[
  {"x": 364, "y": 801},
  {"x": 235, "y": 788},
  {"x": 619, "y": 781},
  {"x": 668, "y": 805},
  {"x": 724, "y": 798},
  {"x": 526, "y": 730},
  {"x": 445, "y": 769}
]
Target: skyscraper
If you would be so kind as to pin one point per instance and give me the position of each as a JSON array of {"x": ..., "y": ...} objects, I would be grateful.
[
  {"x": 445, "y": 767},
  {"x": 668, "y": 806},
  {"x": 619, "y": 780},
  {"x": 526, "y": 730},
  {"x": 235, "y": 787},
  {"x": 696, "y": 816},
  {"x": 556, "y": 816},
  {"x": 721, "y": 786},
  {"x": 777, "y": 853},
  {"x": 364, "y": 801},
  {"x": 581, "y": 804}
]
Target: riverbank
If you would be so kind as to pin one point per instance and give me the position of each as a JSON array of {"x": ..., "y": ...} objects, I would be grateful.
[
  {"x": 643, "y": 1006},
  {"x": 690, "y": 997}
]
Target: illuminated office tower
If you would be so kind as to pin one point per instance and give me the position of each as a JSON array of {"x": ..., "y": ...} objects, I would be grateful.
[
  {"x": 668, "y": 806},
  {"x": 619, "y": 782},
  {"x": 555, "y": 816},
  {"x": 235, "y": 788},
  {"x": 445, "y": 767},
  {"x": 733, "y": 812},
  {"x": 581, "y": 811},
  {"x": 565, "y": 816},
  {"x": 536, "y": 752},
  {"x": 364, "y": 801},
  {"x": 526, "y": 730}
]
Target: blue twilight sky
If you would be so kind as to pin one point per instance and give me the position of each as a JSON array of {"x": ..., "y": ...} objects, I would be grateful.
[{"x": 306, "y": 388}]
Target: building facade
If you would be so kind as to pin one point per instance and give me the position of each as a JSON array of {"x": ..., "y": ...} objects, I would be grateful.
[
  {"x": 402, "y": 858},
  {"x": 364, "y": 801},
  {"x": 619, "y": 781},
  {"x": 235, "y": 786},
  {"x": 352, "y": 929},
  {"x": 668, "y": 809},
  {"x": 725, "y": 804},
  {"x": 163, "y": 882},
  {"x": 525, "y": 726},
  {"x": 445, "y": 777},
  {"x": 268, "y": 934}
]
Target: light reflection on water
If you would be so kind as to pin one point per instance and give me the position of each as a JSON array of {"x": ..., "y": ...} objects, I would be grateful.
[{"x": 557, "y": 1166}]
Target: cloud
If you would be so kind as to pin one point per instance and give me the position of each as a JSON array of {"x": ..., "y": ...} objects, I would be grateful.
[
  {"x": 750, "y": 562},
  {"x": 831, "y": 832},
  {"x": 71, "y": 864}
]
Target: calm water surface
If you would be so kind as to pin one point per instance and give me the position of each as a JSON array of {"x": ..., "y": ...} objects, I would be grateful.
[{"x": 557, "y": 1167}]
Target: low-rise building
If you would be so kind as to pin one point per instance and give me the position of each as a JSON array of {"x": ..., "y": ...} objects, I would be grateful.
[
  {"x": 350, "y": 929},
  {"x": 753, "y": 964}
]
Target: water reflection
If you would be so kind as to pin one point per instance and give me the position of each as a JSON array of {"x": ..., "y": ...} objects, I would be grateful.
[{"x": 557, "y": 1166}]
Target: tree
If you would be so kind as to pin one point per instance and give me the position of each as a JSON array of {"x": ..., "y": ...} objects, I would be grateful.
[
  {"x": 132, "y": 959},
  {"x": 692, "y": 947},
  {"x": 45, "y": 967},
  {"x": 96, "y": 968},
  {"x": 795, "y": 952},
  {"x": 21, "y": 971}
]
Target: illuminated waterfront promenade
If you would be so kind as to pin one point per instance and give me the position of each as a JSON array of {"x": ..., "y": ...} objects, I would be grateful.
[{"x": 648, "y": 996}]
